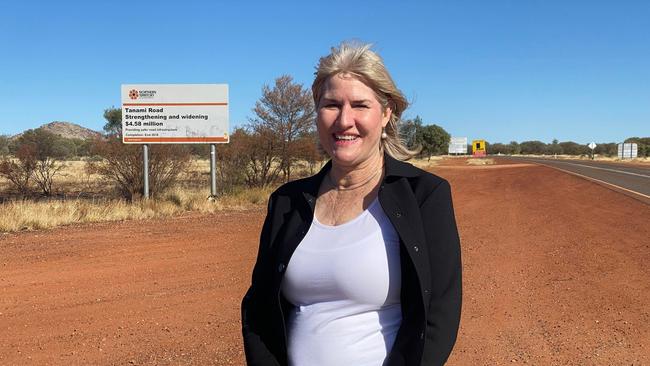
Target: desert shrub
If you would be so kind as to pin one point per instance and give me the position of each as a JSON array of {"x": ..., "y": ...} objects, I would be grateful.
[
  {"x": 232, "y": 161},
  {"x": 643, "y": 145},
  {"x": 19, "y": 171},
  {"x": 122, "y": 165},
  {"x": 38, "y": 153}
]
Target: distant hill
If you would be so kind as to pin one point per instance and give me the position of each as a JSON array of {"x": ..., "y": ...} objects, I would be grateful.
[{"x": 68, "y": 130}]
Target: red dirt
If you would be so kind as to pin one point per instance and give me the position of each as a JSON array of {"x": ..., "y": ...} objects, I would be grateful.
[{"x": 555, "y": 273}]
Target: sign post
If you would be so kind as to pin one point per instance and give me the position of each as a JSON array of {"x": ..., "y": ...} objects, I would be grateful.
[
  {"x": 213, "y": 171},
  {"x": 175, "y": 114},
  {"x": 592, "y": 146},
  {"x": 145, "y": 163}
]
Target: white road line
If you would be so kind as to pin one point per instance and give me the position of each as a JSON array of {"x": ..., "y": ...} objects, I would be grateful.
[
  {"x": 600, "y": 181},
  {"x": 611, "y": 170}
]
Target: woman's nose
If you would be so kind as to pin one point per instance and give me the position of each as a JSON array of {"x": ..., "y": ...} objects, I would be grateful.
[{"x": 346, "y": 117}]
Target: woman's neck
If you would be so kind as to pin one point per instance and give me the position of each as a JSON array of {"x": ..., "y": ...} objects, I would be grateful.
[{"x": 350, "y": 177}]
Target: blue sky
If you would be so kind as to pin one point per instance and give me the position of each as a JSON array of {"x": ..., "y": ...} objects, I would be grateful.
[{"x": 499, "y": 70}]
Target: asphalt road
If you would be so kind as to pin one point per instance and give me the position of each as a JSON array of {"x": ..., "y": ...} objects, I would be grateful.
[{"x": 633, "y": 180}]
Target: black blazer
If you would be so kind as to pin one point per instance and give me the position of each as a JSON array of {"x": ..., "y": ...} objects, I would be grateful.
[{"x": 420, "y": 208}]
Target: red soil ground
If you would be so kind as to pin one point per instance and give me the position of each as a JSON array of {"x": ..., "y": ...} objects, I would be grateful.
[{"x": 555, "y": 273}]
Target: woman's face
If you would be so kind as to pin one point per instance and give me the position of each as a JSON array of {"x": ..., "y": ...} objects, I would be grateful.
[{"x": 350, "y": 120}]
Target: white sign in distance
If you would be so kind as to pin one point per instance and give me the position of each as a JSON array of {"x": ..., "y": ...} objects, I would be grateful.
[
  {"x": 174, "y": 113},
  {"x": 628, "y": 150},
  {"x": 458, "y": 145},
  {"x": 592, "y": 145}
]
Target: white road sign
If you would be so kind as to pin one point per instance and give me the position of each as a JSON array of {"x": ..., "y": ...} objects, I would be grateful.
[
  {"x": 592, "y": 145},
  {"x": 174, "y": 113},
  {"x": 458, "y": 145},
  {"x": 628, "y": 150}
]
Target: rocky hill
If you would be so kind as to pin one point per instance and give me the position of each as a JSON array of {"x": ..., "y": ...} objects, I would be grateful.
[{"x": 68, "y": 130}]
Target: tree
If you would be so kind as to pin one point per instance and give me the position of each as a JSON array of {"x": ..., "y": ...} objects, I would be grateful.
[
  {"x": 19, "y": 172},
  {"x": 283, "y": 114},
  {"x": 434, "y": 140},
  {"x": 308, "y": 150},
  {"x": 607, "y": 149},
  {"x": 572, "y": 148},
  {"x": 499, "y": 148},
  {"x": 233, "y": 160},
  {"x": 555, "y": 147},
  {"x": 43, "y": 150},
  {"x": 113, "y": 126},
  {"x": 643, "y": 145},
  {"x": 514, "y": 147},
  {"x": 260, "y": 148},
  {"x": 533, "y": 147},
  {"x": 409, "y": 131}
]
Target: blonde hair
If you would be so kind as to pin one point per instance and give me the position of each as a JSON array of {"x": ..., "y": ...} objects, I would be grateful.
[{"x": 359, "y": 61}]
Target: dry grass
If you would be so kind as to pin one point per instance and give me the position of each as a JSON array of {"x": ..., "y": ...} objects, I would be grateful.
[
  {"x": 35, "y": 215},
  {"x": 73, "y": 181},
  {"x": 426, "y": 163},
  {"x": 480, "y": 161}
]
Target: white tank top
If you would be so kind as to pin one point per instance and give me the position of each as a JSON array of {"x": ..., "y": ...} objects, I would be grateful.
[{"x": 344, "y": 282}]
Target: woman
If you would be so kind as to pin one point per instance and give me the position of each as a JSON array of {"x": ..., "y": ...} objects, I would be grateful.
[{"x": 359, "y": 264}]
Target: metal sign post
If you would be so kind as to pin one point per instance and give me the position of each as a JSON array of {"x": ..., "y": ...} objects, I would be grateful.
[
  {"x": 145, "y": 154},
  {"x": 213, "y": 171},
  {"x": 592, "y": 146}
]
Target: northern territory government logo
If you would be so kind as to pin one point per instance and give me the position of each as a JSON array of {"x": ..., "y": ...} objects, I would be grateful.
[{"x": 141, "y": 94}]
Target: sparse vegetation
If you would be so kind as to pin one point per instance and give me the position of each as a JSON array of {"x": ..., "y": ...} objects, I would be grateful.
[
  {"x": 122, "y": 165},
  {"x": 38, "y": 154},
  {"x": 430, "y": 139},
  {"x": 48, "y": 179},
  {"x": 607, "y": 149},
  {"x": 34, "y": 215},
  {"x": 284, "y": 117}
]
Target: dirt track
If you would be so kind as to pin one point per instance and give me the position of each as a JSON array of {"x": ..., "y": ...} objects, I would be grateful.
[{"x": 555, "y": 273}]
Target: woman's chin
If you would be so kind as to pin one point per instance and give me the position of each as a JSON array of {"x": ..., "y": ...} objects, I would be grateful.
[{"x": 348, "y": 158}]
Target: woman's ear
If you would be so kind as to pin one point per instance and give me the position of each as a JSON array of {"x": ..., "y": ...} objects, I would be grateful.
[{"x": 386, "y": 116}]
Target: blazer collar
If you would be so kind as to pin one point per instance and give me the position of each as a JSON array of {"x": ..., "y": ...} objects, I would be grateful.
[{"x": 394, "y": 169}]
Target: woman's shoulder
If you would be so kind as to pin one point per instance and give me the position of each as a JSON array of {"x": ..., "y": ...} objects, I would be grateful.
[{"x": 421, "y": 181}]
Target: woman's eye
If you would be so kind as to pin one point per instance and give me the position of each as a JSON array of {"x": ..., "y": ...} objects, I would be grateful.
[{"x": 361, "y": 106}]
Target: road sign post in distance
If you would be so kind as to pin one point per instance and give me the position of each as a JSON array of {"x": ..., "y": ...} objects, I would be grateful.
[{"x": 592, "y": 145}]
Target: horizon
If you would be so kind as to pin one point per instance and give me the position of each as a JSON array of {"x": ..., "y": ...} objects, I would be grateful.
[
  {"x": 501, "y": 72},
  {"x": 101, "y": 131}
]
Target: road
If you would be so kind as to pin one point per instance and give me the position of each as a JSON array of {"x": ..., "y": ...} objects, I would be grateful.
[{"x": 633, "y": 180}]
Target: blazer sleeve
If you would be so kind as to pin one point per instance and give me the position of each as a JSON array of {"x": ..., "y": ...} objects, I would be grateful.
[
  {"x": 255, "y": 321},
  {"x": 443, "y": 316}
]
